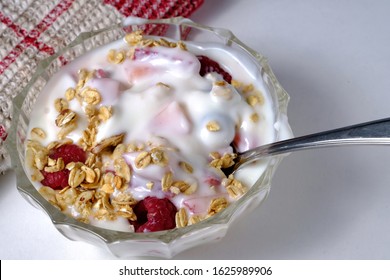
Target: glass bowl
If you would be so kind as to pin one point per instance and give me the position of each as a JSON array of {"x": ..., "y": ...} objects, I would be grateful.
[{"x": 155, "y": 244}]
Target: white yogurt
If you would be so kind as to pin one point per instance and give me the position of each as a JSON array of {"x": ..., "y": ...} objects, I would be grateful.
[{"x": 160, "y": 98}]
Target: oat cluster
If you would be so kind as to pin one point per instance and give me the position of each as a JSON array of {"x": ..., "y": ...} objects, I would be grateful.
[{"x": 253, "y": 97}]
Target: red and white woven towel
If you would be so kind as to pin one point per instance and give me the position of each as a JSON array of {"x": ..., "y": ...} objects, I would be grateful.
[{"x": 31, "y": 30}]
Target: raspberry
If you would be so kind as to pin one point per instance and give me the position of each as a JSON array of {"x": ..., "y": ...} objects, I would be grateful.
[
  {"x": 69, "y": 153},
  {"x": 154, "y": 214},
  {"x": 101, "y": 74},
  {"x": 207, "y": 65},
  {"x": 56, "y": 180}
]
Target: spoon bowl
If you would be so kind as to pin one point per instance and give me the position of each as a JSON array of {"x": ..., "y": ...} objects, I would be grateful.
[{"x": 375, "y": 132}]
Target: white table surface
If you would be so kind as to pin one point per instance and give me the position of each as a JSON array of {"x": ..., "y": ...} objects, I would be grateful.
[{"x": 333, "y": 57}]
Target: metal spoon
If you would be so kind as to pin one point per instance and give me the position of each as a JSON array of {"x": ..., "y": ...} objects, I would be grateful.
[{"x": 370, "y": 133}]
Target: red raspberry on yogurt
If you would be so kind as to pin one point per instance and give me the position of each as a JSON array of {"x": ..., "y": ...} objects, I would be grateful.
[
  {"x": 56, "y": 180},
  {"x": 154, "y": 214},
  {"x": 69, "y": 153},
  {"x": 207, "y": 65}
]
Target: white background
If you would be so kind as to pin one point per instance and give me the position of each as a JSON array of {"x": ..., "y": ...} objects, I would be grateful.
[{"x": 333, "y": 58}]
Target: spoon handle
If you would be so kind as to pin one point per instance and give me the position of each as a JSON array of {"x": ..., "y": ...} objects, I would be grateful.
[{"x": 370, "y": 133}]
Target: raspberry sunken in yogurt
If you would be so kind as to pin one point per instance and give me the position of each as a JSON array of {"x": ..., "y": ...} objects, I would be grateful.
[{"x": 135, "y": 135}]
